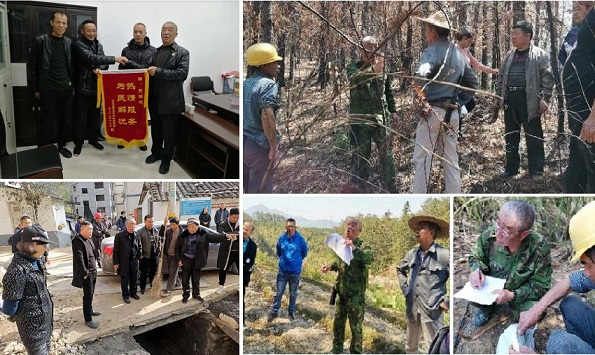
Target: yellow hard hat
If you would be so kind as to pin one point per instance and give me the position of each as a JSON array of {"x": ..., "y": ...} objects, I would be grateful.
[
  {"x": 582, "y": 230},
  {"x": 171, "y": 215},
  {"x": 261, "y": 54}
]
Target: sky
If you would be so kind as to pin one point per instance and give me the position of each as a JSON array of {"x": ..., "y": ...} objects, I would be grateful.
[{"x": 334, "y": 208}]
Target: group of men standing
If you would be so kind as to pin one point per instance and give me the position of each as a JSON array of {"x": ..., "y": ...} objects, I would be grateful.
[
  {"x": 422, "y": 275},
  {"x": 444, "y": 92},
  {"x": 64, "y": 79}
]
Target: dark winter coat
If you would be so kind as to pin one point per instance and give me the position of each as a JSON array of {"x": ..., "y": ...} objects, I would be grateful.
[
  {"x": 126, "y": 251},
  {"x": 41, "y": 54},
  {"x": 88, "y": 55},
  {"x": 139, "y": 56},
  {"x": 84, "y": 257},
  {"x": 166, "y": 87},
  {"x": 202, "y": 246}
]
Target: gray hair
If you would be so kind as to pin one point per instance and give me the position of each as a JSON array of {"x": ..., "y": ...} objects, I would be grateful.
[
  {"x": 130, "y": 220},
  {"x": 250, "y": 224},
  {"x": 354, "y": 220},
  {"x": 523, "y": 211}
]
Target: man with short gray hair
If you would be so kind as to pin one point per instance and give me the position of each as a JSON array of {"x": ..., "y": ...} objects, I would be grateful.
[
  {"x": 511, "y": 250},
  {"x": 127, "y": 252},
  {"x": 168, "y": 71}
]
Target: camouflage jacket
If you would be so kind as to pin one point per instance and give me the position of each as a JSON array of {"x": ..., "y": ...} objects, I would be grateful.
[
  {"x": 370, "y": 92},
  {"x": 528, "y": 272},
  {"x": 352, "y": 279}
]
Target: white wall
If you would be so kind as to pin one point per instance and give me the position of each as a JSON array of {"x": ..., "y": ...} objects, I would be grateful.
[{"x": 208, "y": 29}]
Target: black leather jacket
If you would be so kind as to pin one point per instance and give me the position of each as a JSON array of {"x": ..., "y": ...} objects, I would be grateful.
[
  {"x": 39, "y": 61},
  {"x": 139, "y": 56},
  {"x": 88, "y": 55},
  {"x": 166, "y": 87}
]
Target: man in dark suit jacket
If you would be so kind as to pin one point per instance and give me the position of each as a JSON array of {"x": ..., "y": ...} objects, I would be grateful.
[
  {"x": 168, "y": 71},
  {"x": 84, "y": 272},
  {"x": 249, "y": 251},
  {"x": 127, "y": 253},
  {"x": 229, "y": 251}
]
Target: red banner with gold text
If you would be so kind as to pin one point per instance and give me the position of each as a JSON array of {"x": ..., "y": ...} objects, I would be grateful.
[{"x": 123, "y": 96}]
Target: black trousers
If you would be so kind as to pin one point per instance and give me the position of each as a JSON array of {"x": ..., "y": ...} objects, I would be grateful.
[
  {"x": 515, "y": 117},
  {"x": 234, "y": 258},
  {"x": 55, "y": 123},
  {"x": 164, "y": 133},
  {"x": 87, "y": 122},
  {"x": 88, "y": 291},
  {"x": 128, "y": 280},
  {"x": 580, "y": 175},
  {"x": 190, "y": 272},
  {"x": 148, "y": 268}
]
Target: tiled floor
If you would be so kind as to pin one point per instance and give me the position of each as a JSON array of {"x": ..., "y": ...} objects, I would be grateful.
[{"x": 114, "y": 163}]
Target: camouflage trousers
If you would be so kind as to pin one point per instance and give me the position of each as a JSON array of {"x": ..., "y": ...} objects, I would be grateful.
[
  {"x": 365, "y": 130},
  {"x": 355, "y": 313}
]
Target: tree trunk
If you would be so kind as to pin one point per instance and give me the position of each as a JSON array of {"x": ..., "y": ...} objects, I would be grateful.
[
  {"x": 496, "y": 42},
  {"x": 484, "y": 44},
  {"x": 322, "y": 47},
  {"x": 266, "y": 23},
  {"x": 408, "y": 55},
  {"x": 554, "y": 64},
  {"x": 281, "y": 50},
  {"x": 518, "y": 10},
  {"x": 537, "y": 32}
]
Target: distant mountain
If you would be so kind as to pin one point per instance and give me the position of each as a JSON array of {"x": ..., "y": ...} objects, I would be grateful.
[{"x": 301, "y": 221}]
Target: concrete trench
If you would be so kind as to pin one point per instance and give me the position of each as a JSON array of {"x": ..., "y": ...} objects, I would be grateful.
[{"x": 197, "y": 334}]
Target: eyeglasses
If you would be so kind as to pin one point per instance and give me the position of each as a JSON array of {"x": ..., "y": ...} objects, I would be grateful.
[{"x": 505, "y": 230}]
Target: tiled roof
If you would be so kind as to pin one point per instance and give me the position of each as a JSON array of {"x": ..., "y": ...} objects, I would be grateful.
[{"x": 214, "y": 189}]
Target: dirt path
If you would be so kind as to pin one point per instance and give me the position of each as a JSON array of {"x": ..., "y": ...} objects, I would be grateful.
[{"x": 311, "y": 331}]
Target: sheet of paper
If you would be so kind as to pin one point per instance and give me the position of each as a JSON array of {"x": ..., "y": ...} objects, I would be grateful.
[
  {"x": 337, "y": 243},
  {"x": 510, "y": 339},
  {"x": 483, "y": 295}
]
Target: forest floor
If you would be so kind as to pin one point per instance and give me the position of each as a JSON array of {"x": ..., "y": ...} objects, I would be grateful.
[
  {"x": 464, "y": 241},
  {"x": 316, "y": 157}
]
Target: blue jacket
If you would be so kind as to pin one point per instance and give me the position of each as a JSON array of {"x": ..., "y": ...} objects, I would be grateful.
[{"x": 291, "y": 252}]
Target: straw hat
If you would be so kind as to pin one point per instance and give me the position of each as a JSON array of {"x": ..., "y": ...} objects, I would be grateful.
[
  {"x": 437, "y": 19},
  {"x": 443, "y": 229}
]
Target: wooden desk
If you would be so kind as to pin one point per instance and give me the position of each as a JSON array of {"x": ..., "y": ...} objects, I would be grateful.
[
  {"x": 220, "y": 103},
  {"x": 210, "y": 147}
]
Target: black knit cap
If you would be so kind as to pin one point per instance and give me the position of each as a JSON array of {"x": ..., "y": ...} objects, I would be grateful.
[
  {"x": 35, "y": 233},
  {"x": 234, "y": 211},
  {"x": 524, "y": 26}
]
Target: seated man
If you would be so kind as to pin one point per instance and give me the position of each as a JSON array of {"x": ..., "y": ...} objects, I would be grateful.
[
  {"x": 579, "y": 316},
  {"x": 511, "y": 251}
]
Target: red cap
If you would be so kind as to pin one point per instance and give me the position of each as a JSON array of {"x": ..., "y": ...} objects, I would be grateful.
[{"x": 97, "y": 215}]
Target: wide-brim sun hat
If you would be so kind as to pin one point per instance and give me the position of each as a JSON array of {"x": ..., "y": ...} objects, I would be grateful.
[{"x": 443, "y": 227}]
